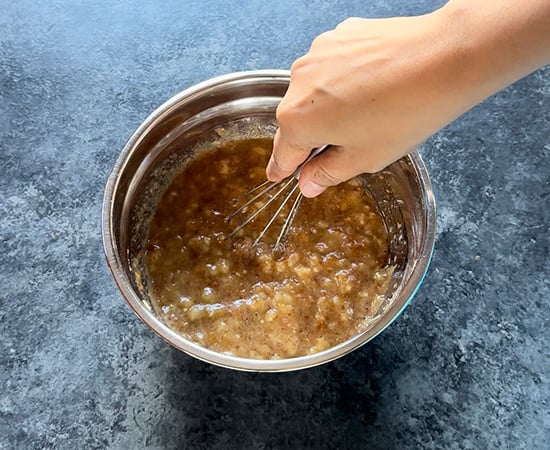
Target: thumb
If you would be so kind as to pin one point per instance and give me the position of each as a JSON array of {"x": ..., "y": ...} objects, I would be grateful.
[{"x": 330, "y": 168}]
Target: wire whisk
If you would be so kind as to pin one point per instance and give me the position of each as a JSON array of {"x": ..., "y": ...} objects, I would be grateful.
[{"x": 286, "y": 192}]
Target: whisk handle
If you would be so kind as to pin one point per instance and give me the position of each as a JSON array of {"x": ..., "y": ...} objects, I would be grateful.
[{"x": 313, "y": 154}]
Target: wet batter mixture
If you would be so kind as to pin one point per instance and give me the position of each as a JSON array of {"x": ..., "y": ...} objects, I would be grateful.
[{"x": 309, "y": 294}]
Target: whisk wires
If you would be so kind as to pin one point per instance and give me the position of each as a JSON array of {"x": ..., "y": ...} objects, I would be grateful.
[{"x": 284, "y": 192}]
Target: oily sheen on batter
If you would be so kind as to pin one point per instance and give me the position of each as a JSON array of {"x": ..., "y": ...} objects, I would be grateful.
[{"x": 315, "y": 291}]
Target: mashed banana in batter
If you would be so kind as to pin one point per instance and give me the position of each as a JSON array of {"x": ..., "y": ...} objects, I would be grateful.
[{"x": 314, "y": 291}]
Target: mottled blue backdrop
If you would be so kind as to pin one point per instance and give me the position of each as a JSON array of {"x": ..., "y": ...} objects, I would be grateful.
[{"x": 466, "y": 366}]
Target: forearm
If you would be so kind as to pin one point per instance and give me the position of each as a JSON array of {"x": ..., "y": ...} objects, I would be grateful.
[
  {"x": 497, "y": 42},
  {"x": 470, "y": 50}
]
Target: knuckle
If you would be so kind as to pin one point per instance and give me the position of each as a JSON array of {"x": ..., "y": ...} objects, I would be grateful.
[
  {"x": 348, "y": 23},
  {"x": 321, "y": 40},
  {"x": 298, "y": 65},
  {"x": 283, "y": 114},
  {"x": 323, "y": 176}
]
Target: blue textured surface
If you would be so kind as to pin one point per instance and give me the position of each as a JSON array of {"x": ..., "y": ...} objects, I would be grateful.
[{"x": 465, "y": 367}]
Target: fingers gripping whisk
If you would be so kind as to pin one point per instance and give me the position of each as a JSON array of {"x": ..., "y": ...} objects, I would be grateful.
[{"x": 283, "y": 196}]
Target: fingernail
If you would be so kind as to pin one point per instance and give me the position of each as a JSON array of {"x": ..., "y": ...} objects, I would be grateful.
[{"x": 311, "y": 189}]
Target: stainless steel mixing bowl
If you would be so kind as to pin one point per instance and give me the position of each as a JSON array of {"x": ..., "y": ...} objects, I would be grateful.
[{"x": 236, "y": 106}]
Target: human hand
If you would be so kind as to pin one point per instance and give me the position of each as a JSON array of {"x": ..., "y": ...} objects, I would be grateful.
[{"x": 377, "y": 88}]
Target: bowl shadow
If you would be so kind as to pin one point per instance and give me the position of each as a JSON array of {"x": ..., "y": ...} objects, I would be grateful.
[{"x": 348, "y": 403}]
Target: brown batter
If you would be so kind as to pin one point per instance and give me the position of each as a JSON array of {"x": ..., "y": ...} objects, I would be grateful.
[{"x": 311, "y": 294}]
